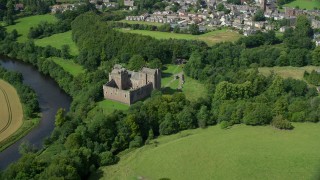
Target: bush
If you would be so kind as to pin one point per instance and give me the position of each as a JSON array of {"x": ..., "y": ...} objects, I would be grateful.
[
  {"x": 281, "y": 123},
  {"x": 224, "y": 124}
]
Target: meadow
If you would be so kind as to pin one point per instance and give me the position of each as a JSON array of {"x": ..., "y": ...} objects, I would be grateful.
[
  {"x": 288, "y": 71},
  {"x": 210, "y": 38},
  {"x": 242, "y": 152},
  {"x": 192, "y": 88},
  {"x": 108, "y": 106},
  {"x": 69, "y": 66},
  {"x": 23, "y": 25},
  {"x": 142, "y": 22},
  {"x": 11, "y": 114},
  {"x": 304, "y": 4},
  {"x": 58, "y": 40}
]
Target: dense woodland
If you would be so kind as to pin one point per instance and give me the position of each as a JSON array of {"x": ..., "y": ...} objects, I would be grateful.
[{"x": 85, "y": 138}]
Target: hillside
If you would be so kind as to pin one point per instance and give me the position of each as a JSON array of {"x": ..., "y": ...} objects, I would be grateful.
[{"x": 242, "y": 152}]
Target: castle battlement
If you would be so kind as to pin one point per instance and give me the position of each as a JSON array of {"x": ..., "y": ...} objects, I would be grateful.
[{"x": 129, "y": 86}]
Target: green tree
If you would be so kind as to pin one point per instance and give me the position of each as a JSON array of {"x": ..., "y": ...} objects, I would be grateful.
[
  {"x": 316, "y": 56},
  {"x": 8, "y": 19},
  {"x": 136, "y": 62},
  {"x": 194, "y": 29},
  {"x": 259, "y": 16},
  {"x": 203, "y": 116},
  {"x": 65, "y": 51},
  {"x": 60, "y": 117}
]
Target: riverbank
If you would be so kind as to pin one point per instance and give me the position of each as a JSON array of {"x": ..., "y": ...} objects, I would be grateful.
[{"x": 50, "y": 98}]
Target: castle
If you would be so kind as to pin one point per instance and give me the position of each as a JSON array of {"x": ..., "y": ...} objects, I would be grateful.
[{"x": 128, "y": 86}]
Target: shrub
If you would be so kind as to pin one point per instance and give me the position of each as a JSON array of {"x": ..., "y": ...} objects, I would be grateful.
[{"x": 281, "y": 123}]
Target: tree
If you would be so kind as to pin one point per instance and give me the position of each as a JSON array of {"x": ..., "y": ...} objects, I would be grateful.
[
  {"x": 60, "y": 117},
  {"x": 136, "y": 62},
  {"x": 155, "y": 64},
  {"x": 176, "y": 29},
  {"x": 107, "y": 158},
  {"x": 259, "y": 16},
  {"x": 168, "y": 126},
  {"x": 203, "y": 116},
  {"x": 65, "y": 51},
  {"x": 281, "y": 123},
  {"x": 8, "y": 19},
  {"x": 194, "y": 29},
  {"x": 316, "y": 56}
]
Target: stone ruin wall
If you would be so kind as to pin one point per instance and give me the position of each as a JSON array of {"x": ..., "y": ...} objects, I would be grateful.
[
  {"x": 140, "y": 93},
  {"x": 116, "y": 94}
]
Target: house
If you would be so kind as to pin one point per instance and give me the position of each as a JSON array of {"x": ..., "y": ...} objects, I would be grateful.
[
  {"x": 129, "y": 3},
  {"x": 19, "y": 7}
]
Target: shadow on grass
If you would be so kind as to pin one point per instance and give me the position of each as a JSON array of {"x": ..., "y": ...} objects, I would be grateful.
[
  {"x": 170, "y": 91},
  {"x": 165, "y": 75}
]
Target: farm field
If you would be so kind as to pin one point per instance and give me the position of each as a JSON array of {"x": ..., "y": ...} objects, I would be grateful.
[
  {"x": 192, "y": 88},
  {"x": 23, "y": 25},
  {"x": 210, "y": 38},
  {"x": 304, "y": 4},
  {"x": 242, "y": 152},
  {"x": 69, "y": 66},
  {"x": 58, "y": 40},
  {"x": 11, "y": 113},
  {"x": 141, "y": 22},
  {"x": 288, "y": 71},
  {"x": 108, "y": 106}
]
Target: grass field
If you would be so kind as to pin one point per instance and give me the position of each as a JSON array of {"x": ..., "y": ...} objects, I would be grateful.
[
  {"x": 304, "y": 4},
  {"x": 192, "y": 88},
  {"x": 210, "y": 38},
  {"x": 69, "y": 66},
  {"x": 108, "y": 106},
  {"x": 58, "y": 40},
  {"x": 142, "y": 22},
  {"x": 23, "y": 25},
  {"x": 288, "y": 71},
  {"x": 11, "y": 113},
  {"x": 242, "y": 152}
]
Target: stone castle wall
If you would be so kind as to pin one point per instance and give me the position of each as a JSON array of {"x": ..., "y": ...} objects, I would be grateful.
[
  {"x": 116, "y": 94},
  {"x": 140, "y": 93}
]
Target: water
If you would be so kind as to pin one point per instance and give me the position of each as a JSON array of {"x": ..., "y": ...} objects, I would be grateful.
[{"x": 50, "y": 98}]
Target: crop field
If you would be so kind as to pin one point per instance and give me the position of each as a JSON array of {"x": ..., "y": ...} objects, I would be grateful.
[
  {"x": 58, "y": 40},
  {"x": 69, "y": 66},
  {"x": 288, "y": 71},
  {"x": 210, "y": 38},
  {"x": 304, "y": 4},
  {"x": 11, "y": 113},
  {"x": 192, "y": 88},
  {"x": 23, "y": 25},
  {"x": 241, "y": 152}
]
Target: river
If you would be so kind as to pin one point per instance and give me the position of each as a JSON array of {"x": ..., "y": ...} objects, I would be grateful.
[{"x": 50, "y": 98}]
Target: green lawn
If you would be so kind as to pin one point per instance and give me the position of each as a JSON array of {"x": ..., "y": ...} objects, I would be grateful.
[
  {"x": 288, "y": 71},
  {"x": 69, "y": 66},
  {"x": 210, "y": 38},
  {"x": 108, "y": 106},
  {"x": 242, "y": 152},
  {"x": 23, "y": 25},
  {"x": 57, "y": 40},
  {"x": 304, "y": 4},
  {"x": 141, "y": 22},
  {"x": 192, "y": 88}
]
